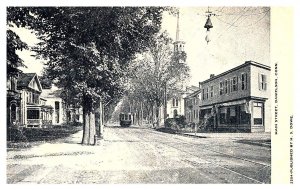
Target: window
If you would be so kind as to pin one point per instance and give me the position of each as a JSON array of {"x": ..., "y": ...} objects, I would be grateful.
[
  {"x": 222, "y": 115},
  {"x": 225, "y": 87},
  {"x": 221, "y": 87},
  {"x": 258, "y": 113},
  {"x": 237, "y": 114},
  {"x": 27, "y": 97},
  {"x": 13, "y": 84},
  {"x": 244, "y": 81},
  {"x": 33, "y": 114},
  {"x": 245, "y": 116},
  {"x": 229, "y": 85},
  {"x": 262, "y": 82},
  {"x": 56, "y": 106},
  {"x": 203, "y": 96},
  {"x": 211, "y": 91},
  {"x": 175, "y": 102},
  {"x": 207, "y": 93},
  {"x": 234, "y": 84}
]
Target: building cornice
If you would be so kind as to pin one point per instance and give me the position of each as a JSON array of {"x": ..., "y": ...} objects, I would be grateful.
[{"x": 247, "y": 63}]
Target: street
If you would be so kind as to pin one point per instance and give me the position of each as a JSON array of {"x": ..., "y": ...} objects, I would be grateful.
[{"x": 143, "y": 155}]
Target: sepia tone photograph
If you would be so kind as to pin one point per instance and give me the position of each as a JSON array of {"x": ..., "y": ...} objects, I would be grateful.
[{"x": 138, "y": 95}]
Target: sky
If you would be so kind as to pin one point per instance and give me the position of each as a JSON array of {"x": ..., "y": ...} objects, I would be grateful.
[{"x": 239, "y": 34}]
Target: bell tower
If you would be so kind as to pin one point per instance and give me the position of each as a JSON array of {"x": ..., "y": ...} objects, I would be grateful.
[{"x": 178, "y": 44}]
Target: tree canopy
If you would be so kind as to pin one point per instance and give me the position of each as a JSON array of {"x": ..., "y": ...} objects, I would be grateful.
[
  {"x": 16, "y": 17},
  {"x": 157, "y": 74}
]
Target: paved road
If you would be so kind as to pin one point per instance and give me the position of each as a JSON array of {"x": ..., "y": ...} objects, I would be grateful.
[{"x": 141, "y": 155}]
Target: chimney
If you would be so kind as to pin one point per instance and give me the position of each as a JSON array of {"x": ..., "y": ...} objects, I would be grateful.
[{"x": 212, "y": 76}]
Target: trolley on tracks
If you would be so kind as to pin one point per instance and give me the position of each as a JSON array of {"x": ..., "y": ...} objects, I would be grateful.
[{"x": 126, "y": 119}]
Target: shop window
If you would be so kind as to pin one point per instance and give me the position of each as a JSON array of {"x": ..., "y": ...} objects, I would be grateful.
[
  {"x": 223, "y": 113},
  {"x": 237, "y": 114},
  {"x": 232, "y": 115},
  {"x": 258, "y": 113},
  {"x": 245, "y": 116}
]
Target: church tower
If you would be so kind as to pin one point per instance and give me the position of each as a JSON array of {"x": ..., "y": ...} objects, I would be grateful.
[{"x": 179, "y": 44}]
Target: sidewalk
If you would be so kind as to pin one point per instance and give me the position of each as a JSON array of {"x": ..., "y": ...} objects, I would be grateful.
[
  {"x": 248, "y": 136},
  {"x": 259, "y": 139}
]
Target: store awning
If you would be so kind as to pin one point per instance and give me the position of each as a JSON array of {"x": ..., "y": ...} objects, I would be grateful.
[
  {"x": 233, "y": 103},
  {"x": 205, "y": 107}
]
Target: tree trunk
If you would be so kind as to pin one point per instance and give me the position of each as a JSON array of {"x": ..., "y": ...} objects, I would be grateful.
[
  {"x": 101, "y": 120},
  {"x": 157, "y": 111},
  {"x": 152, "y": 116},
  {"x": 92, "y": 131},
  {"x": 86, "y": 127},
  {"x": 89, "y": 129}
]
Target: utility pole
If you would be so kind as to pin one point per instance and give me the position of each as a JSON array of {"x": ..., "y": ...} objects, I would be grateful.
[{"x": 165, "y": 103}]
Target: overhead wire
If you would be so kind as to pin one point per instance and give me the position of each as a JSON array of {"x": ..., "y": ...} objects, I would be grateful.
[
  {"x": 240, "y": 16},
  {"x": 228, "y": 14}
]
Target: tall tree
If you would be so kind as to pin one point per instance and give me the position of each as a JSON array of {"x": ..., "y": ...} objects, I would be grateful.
[
  {"x": 157, "y": 72},
  {"x": 88, "y": 50}
]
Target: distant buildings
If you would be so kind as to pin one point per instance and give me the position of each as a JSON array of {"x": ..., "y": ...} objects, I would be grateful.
[
  {"x": 176, "y": 105},
  {"x": 28, "y": 105},
  {"x": 192, "y": 106}
]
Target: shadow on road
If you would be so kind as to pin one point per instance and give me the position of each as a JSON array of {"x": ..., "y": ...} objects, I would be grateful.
[{"x": 52, "y": 154}]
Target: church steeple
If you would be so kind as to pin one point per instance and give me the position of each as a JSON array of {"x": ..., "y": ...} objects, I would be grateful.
[
  {"x": 178, "y": 44},
  {"x": 177, "y": 29}
]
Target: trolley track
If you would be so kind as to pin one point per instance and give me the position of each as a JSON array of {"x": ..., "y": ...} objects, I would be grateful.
[{"x": 190, "y": 147}]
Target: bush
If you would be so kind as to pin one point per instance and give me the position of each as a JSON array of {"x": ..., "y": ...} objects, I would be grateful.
[
  {"x": 207, "y": 124},
  {"x": 176, "y": 123},
  {"x": 23, "y": 134}
]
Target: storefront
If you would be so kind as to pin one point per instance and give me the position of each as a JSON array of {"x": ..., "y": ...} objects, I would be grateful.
[{"x": 242, "y": 115}]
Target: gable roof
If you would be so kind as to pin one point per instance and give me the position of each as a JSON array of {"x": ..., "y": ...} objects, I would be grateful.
[
  {"x": 25, "y": 79},
  {"x": 193, "y": 94}
]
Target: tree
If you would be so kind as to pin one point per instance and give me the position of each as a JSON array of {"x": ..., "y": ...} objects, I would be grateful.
[
  {"x": 88, "y": 50},
  {"x": 157, "y": 72},
  {"x": 19, "y": 17}
]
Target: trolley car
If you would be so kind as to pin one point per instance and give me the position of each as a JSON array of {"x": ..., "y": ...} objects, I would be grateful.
[{"x": 126, "y": 119}]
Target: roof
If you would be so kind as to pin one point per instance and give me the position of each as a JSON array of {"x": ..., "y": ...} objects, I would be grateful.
[
  {"x": 51, "y": 93},
  {"x": 193, "y": 93},
  {"x": 247, "y": 63},
  {"x": 24, "y": 79}
]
